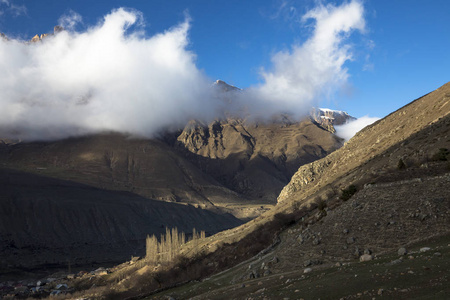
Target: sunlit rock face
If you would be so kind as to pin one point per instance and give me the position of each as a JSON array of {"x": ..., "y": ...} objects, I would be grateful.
[{"x": 328, "y": 118}]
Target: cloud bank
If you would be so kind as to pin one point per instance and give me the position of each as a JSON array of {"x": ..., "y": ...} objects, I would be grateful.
[
  {"x": 314, "y": 69},
  {"x": 347, "y": 131},
  {"x": 112, "y": 77},
  {"x": 108, "y": 78}
]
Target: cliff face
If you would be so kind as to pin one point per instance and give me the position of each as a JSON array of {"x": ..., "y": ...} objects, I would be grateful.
[
  {"x": 328, "y": 118},
  {"x": 255, "y": 159}
]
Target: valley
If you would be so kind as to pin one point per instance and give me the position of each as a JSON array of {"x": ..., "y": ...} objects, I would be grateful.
[
  {"x": 320, "y": 227},
  {"x": 248, "y": 150},
  {"x": 94, "y": 199}
]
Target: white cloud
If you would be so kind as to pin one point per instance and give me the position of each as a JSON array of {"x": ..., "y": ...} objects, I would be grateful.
[
  {"x": 112, "y": 77},
  {"x": 103, "y": 79},
  {"x": 70, "y": 20},
  {"x": 347, "y": 131},
  {"x": 316, "y": 68}
]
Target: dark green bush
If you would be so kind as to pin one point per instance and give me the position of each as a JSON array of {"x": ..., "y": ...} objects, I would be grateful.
[
  {"x": 348, "y": 192},
  {"x": 321, "y": 204},
  {"x": 401, "y": 164},
  {"x": 441, "y": 155}
]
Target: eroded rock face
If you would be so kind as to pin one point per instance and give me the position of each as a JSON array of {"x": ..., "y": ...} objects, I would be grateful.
[
  {"x": 255, "y": 159},
  {"x": 328, "y": 118},
  {"x": 305, "y": 175}
]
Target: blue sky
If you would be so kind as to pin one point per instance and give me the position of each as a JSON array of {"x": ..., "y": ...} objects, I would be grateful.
[{"x": 401, "y": 54}]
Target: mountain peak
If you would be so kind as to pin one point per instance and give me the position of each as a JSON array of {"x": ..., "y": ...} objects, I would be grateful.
[
  {"x": 328, "y": 118},
  {"x": 225, "y": 86}
]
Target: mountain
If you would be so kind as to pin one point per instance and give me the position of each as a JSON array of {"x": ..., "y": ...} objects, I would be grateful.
[
  {"x": 224, "y": 164},
  {"x": 46, "y": 221},
  {"x": 328, "y": 118},
  {"x": 149, "y": 168},
  {"x": 110, "y": 190},
  {"x": 381, "y": 195},
  {"x": 255, "y": 160},
  {"x": 225, "y": 87}
]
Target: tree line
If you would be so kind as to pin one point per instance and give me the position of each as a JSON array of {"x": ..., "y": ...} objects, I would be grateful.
[{"x": 168, "y": 247}]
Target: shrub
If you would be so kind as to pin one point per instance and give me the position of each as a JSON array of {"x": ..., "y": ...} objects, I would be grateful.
[
  {"x": 401, "y": 164},
  {"x": 441, "y": 155},
  {"x": 348, "y": 192},
  {"x": 321, "y": 204}
]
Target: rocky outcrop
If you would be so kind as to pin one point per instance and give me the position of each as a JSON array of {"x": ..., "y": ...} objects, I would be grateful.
[
  {"x": 37, "y": 38},
  {"x": 305, "y": 175},
  {"x": 328, "y": 118}
]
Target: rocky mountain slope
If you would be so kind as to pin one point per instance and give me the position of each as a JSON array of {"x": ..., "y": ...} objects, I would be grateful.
[
  {"x": 401, "y": 176},
  {"x": 149, "y": 168},
  {"x": 230, "y": 161},
  {"x": 229, "y": 165},
  {"x": 255, "y": 160},
  {"x": 377, "y": 149},
  {"x": 413, "y": 134}
]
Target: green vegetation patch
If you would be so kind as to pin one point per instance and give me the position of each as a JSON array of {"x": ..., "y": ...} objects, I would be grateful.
[{"x": 348, "y": 192}]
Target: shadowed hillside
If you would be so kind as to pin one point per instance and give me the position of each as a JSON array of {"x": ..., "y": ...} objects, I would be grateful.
[
  {"x": 50, "y": 221},
  {"x": 230, "y": 165}
]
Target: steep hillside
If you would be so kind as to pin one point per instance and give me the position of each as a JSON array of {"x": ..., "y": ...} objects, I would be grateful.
[
  {"x": 116, "y": 162},
  {"x": 400, "y": 172},
  {"x": 50, "y": 221},
  {"x": 400, "y": 169},
  {"x": 255, "y": 159},
  {"x": 396, "y": 204},
  {"x": 413, "y": 133}
]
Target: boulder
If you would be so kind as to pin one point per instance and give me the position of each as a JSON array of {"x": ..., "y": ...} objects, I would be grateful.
[
  {"x": 402, "y": 251},
  {"x": 366, "y": 257}
]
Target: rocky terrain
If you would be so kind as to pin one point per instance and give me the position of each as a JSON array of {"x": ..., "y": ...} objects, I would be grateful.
[
  {"x": 374, "y": 232},
  {"x": 255, "y": 160},
  {"x": 375, "y": 210},
  {"x": 108, "y": 191}
]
